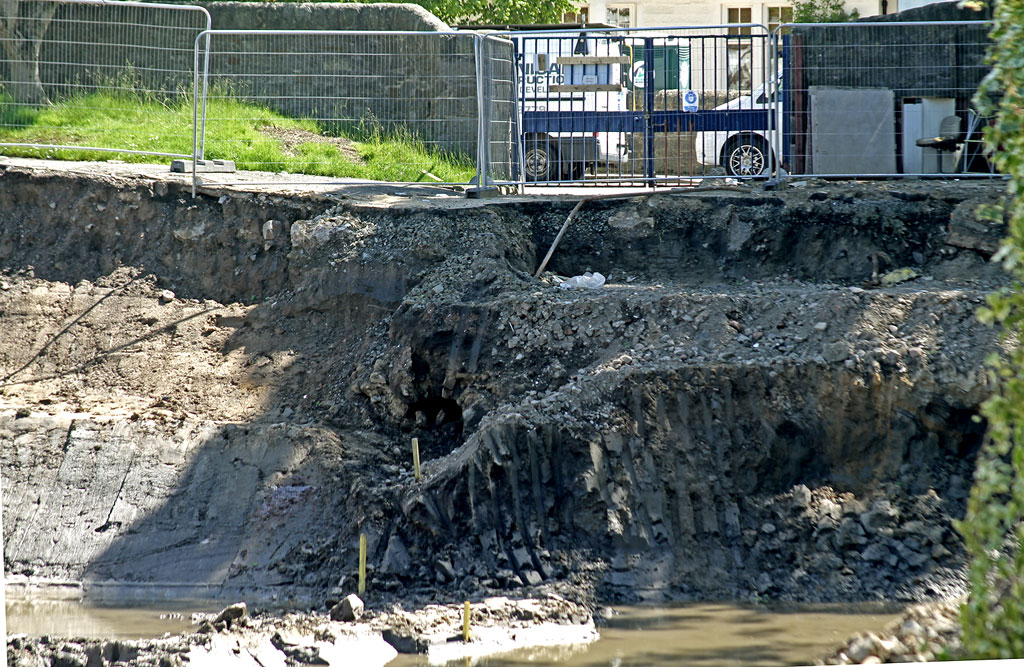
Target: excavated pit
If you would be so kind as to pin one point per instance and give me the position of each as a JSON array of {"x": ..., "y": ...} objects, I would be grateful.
[{"x": 214, "y": 397}]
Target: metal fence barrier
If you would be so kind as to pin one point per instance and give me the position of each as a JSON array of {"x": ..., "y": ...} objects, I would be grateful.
[
  {"x": 666, "y": 106},
  {"x": 426, "y": 107},
  {"x": 878, "y": 98},
  {"x": 642, "y": 107},
  {"x": 499, "y": 119},
  {"x": 103, "y": 64}
]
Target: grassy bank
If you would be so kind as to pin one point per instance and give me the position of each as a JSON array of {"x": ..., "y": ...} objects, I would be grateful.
[{"x": 255, "y": 138}]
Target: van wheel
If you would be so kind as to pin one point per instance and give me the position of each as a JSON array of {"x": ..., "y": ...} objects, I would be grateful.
[
  {"x": 539, "y": 161},
  {"x": 746, "y": 155}
]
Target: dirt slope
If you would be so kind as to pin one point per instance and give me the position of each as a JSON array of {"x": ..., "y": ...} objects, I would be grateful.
[{"x": 214, "y": 397}]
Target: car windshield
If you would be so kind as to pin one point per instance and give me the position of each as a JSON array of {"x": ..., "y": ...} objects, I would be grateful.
[{"x": 761, "y": 97}]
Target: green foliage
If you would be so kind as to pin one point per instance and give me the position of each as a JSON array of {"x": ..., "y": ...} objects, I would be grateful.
[
  {"x": 993, "y": 528},
  {"x": 498, "y": 11},
  {"x": 251, "y": 136},
  {"x": 822, "y": 11}
]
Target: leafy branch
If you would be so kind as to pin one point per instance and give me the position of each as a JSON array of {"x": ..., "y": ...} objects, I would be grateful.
[{"x": 993, "y": 527}]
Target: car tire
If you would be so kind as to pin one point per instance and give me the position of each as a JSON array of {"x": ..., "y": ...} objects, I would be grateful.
[
  {"x": 746, "y": 155},
  {"x": 539, "y": 160}
]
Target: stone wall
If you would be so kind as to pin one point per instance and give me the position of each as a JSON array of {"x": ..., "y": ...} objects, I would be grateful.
[
  {"x": 321, "y": 16},
  {"x": 421, "y": 84},
  {"x": 87, "y": 43}
]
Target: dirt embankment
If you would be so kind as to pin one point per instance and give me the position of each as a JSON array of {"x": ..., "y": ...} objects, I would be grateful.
[{"x": 215, "y": 397}]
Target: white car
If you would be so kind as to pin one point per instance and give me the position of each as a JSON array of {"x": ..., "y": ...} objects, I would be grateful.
[{"x": 741, "y": 152}]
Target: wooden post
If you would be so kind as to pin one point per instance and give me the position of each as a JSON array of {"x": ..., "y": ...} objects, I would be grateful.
[
  {"x": 465, "y": 623},
  {"x": 416, "y": 457},
  {"x": 561, "y": 233},
  {"x": 362, "y": 563}
]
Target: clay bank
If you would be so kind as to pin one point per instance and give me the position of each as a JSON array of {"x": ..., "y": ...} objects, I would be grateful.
[{"x": 771, "y": 399}]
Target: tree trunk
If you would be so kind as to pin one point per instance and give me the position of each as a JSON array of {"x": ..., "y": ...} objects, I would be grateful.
[
  {"x": 22, "y": 39},
  {"x": 25, "y": 86}
]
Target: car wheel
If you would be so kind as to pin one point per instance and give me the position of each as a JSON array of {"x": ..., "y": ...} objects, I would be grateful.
[
  {"x": 539, "y": 160},
  {"x": 746, "y": 156}
]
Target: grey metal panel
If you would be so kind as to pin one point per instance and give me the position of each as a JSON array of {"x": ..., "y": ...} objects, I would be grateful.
[{"x": 853, "y": 131}]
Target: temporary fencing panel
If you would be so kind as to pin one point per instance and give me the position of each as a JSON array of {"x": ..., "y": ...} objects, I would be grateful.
[
  {"x": 658, "y": 106},
  {"x": 498, "y": 116},
  {"x": 413, "y": 103},
  {"x": 880, "y": 98},
  {"x": 609, "y": 106},
  {"x": 97, "y": 59}
]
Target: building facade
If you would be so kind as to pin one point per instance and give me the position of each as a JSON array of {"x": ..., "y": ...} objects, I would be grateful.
[{"x": 666, "y": 13}]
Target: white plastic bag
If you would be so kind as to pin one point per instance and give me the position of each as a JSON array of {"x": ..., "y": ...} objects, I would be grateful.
[{"x": 588, "y": 280}]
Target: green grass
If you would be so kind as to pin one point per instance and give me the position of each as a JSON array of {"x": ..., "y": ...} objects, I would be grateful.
[{"x": 235, "y": 131}]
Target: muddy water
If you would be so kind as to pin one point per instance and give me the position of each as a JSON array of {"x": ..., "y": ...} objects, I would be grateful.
[
  {"x": 694, "y": 635},
  {"x": 718, "y": 635},
  {"x": 74, "y": 619}
]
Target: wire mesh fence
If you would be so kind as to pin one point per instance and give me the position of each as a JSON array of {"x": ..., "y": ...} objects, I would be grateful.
[
  {"x": 662, "y": 106},
  {"x": 382, "y": 106},
  {"x": 653, "y": 106},
  {"x": 499, "y": 128},
  {"x": 880, "y": 98},
  {"x": 79, "y": 78}
]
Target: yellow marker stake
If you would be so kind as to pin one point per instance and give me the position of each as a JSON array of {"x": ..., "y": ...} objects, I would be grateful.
[
  {"x": 465, "y": 623},
  {"x": 416, "y": 457},
  {"x": 362, "y": 563}
]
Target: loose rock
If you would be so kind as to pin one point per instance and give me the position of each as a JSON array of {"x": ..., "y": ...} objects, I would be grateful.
[{"x": 348, "y": 610}]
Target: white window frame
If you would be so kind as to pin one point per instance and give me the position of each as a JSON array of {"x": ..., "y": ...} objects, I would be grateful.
[
  {"x": 582, "y": 13},
  {"x": 739, "y": 9},
  {"x": 734, "y": 51},
  {"x": 768, "y": 18},
  {"x": 630, "y": 6}
]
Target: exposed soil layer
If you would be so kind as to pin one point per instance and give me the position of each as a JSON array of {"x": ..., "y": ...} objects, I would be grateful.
[
  {"x": 293, "y": 139},
  {"x": 216, "y": 396}
]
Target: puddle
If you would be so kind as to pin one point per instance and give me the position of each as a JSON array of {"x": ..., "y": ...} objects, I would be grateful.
[
  {"x": 77, "y": 620},
  {"x": 719, "y": 635}
]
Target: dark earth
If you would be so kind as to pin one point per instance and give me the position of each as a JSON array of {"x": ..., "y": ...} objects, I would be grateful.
[{"x": 773, "y": 398}]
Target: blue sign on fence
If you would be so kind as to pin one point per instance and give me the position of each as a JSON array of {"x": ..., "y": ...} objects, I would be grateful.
[{"x": 690, "y": 101}]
